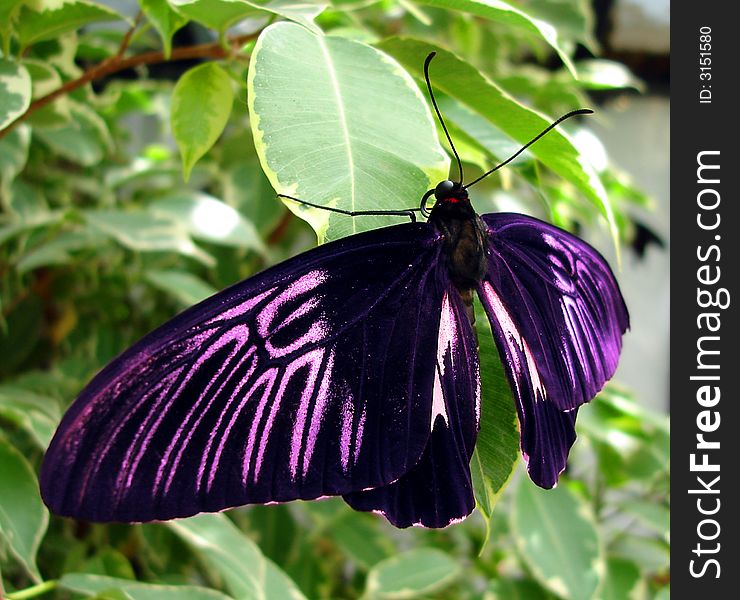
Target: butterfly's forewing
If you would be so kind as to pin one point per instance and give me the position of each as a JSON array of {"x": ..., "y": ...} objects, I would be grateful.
[
  {"x": 312, "y": 378},
  {"x": 438, "y": 490},
  {"x": 558, "y": 317}
]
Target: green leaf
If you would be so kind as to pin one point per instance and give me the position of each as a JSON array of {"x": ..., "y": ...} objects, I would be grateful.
[
  {"x": 497, "y": 447},
  {"x": 15, "y": 91},
  {"x": 144, "y": 232},
  {"x": 23, "y": 326},
  {"x": 302, "y": 12},
  {"x": 222, "y": 14},
  {"x": 14, "y": 153},
  {"x": 359, "y": 538},
  {"x": 36, "y": 414},
  {"x": 573, "y": 19},
  {"x": 201, "y": 104},
  {"x": 165, "y": 20},
  {"x": 512, "y": 589},
  {"x": 245, "y": 571},
  {"x": 623, "y": 580},
  {"x": 60, "y": 17},
  {"x": 9, "y": 10},
  {"x": 23, "y": 517},
  {"x": 329, "y": 137},
  {"x": 185, "y": 287},
  {"x": 601, "y": 74},
  {"x": 209, "y": 219},
  {"x": 511, "y": 16},
  {"x": 60, "y": 250},
  {"x": 92, "y": 585},
  {"x": 464, "y": 83},
  {"x": 650, "y": 554},
  {"x": 655, "y": 517},
  {"x": 413, "y": 574},
  {"x": 46, "y": 79},
  {"x": 558, "y": 540},
  {"x": 84, "y": 141},
  {"x": 663, "y": 594},
  {"x": 215, "y": 14},
  {"x": 246, "y": 188}
]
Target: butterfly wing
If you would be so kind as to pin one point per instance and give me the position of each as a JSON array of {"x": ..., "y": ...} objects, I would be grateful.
[
  {"x": 558, "y": 317},
  {"x": 312, "y": 378},
  {"x": 438, "y": 490}
]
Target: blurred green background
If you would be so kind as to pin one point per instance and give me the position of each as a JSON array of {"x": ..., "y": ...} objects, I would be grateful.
[{"x": 131, "y": 186}]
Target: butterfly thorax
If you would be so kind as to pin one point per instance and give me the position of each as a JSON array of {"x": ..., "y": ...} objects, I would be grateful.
[{"x": 464, "y": 234}]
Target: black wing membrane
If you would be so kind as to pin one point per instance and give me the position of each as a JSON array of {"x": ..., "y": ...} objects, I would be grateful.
[
  {"x": 558, "y": 317},
  {"x": 438, "y": 490},
  {"x": 312, "y": 378}
]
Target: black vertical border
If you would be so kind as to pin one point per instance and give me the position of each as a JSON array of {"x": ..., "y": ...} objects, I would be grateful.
[{"x": 697, "y": 127}]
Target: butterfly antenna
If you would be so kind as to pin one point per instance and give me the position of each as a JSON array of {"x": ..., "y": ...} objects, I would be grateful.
[
  {"x": 439, "y": 114},
  {"x": 580, "y": 111}
]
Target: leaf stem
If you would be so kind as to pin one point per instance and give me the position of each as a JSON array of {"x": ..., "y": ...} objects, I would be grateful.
[
  {"x": 117, "y": 63},
  {"x": 34, "y": 591}
]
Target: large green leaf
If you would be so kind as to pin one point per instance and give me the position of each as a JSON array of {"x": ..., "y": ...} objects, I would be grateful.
[
  {"x": 15, "y": 91},
  {"x": 52, "y": 20},
  {"x": 511, "y": 16},
  {"x": 413, "y": 574},
  {"x": 558, "y": 540},
  {"x": 92, "y": 585},
  {"x": 497, "y": 448},
  {"x": 201, "y": 105},
  {"x": 23, "y": 517},
  {"x": 245, "y": 571},
  {"x": 338, "y": 123},
  {"x": 467, "y": 85}
]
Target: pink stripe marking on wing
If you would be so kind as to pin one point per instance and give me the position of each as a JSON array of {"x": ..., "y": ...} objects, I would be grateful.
[
  {"x": 360, "y": 432},
  {"x": 241, "y": 308},
  {"x": 310, "y": 357},
  {"x": 514, "y": 340},
  {"x": 268, "y": 377},
  {"x": 238, "y": 334},
  {"x": 318, "y": 412},
  {"x": 348, "y": 417},
  {"x": 318, "y": 329},
  {"x": 302, "y": 415},
  {"x": 162, "y": 388},
  {"x": 216, "y": 433}
]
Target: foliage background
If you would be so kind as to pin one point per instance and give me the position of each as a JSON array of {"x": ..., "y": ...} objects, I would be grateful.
[{"x": 132, "y": 186}]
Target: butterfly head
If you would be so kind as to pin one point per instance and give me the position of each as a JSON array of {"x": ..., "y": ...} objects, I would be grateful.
[{"x": 451, "y": 191}]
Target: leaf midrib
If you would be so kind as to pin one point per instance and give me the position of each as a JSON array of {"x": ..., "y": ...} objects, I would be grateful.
[{"x": 342, "y": 121}]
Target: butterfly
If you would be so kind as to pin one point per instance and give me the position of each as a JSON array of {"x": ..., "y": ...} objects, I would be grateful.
[{"x": 349, "y": 370}]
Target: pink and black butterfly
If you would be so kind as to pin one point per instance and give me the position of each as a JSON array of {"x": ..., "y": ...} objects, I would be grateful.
[{"x": 351, "y": 370}]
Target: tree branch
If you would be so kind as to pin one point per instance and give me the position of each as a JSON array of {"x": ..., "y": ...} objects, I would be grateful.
[{"x": 117, "y": 63}]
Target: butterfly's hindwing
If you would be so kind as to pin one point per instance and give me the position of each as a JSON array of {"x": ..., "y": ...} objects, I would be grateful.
[
  {"x": 558, "y": 317},
  {"x": 438, "y": 491},
  {"x": 312, "y": 378}
]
